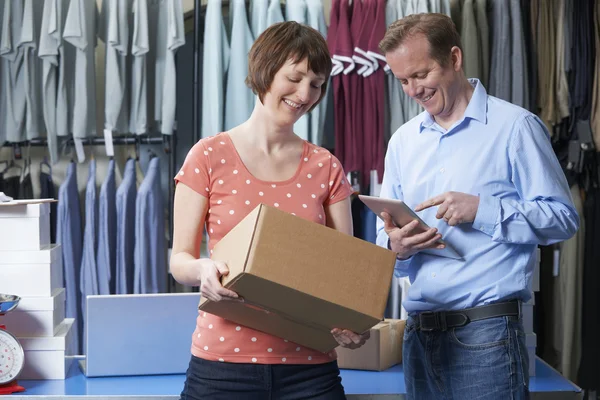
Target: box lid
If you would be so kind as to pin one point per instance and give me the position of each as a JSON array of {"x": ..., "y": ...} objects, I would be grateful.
[
  {"x": 60, "y": 341},
  {"x": 25, "y": 208},
  {"x": 45, "y": 255},
  {"x": 27, "y": 304}
]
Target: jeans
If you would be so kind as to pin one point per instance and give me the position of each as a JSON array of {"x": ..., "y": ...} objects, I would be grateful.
[
  {"x": 484, "y": 359},
  {"x": 223, "y": 381}
]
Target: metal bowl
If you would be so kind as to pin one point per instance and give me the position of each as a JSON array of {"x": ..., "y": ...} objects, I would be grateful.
[{"x": 8, "y": 302}]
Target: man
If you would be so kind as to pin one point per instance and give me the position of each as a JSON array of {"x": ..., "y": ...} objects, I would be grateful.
[{"x": 483, "y": 173}]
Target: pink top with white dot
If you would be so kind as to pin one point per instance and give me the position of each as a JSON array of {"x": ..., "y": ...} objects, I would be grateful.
[{"x": 214, "y": 169}]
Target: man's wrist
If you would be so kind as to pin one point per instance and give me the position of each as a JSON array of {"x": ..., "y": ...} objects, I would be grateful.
[{"x": 389, "y": 246}]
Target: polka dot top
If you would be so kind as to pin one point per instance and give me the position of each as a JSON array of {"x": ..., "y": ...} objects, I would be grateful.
[{"x": 214, "y": 169}]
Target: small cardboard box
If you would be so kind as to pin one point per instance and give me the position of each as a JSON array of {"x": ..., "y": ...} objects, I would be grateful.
[
  {"x": 300, "y": 279},
  {"x": 382, "y": 351}
]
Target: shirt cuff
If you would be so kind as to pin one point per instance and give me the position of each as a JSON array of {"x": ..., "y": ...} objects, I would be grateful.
[{"x": 488, "y": 214}]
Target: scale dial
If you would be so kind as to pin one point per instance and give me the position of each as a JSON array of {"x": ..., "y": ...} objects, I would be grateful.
[{"x": 11, "y": 357}]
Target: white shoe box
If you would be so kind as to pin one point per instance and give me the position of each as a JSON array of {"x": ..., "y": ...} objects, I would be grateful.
[
  {"x": 45, "y": 356},
  {"x": 34, "y": 273},
  {"x": 36, "y": 316},
  {"x": 531, "y": 343},
  {"x": 24, "y": 226}
]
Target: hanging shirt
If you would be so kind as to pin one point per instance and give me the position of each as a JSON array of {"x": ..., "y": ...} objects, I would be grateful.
[
  {"x": 258, "y": 16},
  {"x": 214, "y": 71},
  {"x": 395, "y": 94},
  {"x": 316, "y": 19},
  {"x": 140, "y": 46},
  {"x": 113, "y": 29},
  {"x": 296, "y": 11},
  {"x": 69, "y": 236},
  {"x": 26, "y": 187},
  {"x": 232, "y": 193},
  {"x": 57, "y": 70},
  {"x": 107, "y": 233},
  {"x": 500, "y": 73},
  {"x": 150, "y": 273},
  {"x": 125, "y": 243},
  {"x": 2, "y": 87},
  {"x": 88, "y": 283},
  {"x": 32, "y": 67},
  {"x": 165, "y": 37},
  {"x": 80, "y": 31},
  {"x": 48, "y": 191},
  {"x": 239, "y": 99},
  {"x": 13, "y": 72},
  {"x": 274, "y": 13}
]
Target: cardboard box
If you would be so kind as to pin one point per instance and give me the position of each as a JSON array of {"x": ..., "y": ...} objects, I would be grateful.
[
  {"x": 382, "y": 351},
  {"x": 300, "y": 279}
]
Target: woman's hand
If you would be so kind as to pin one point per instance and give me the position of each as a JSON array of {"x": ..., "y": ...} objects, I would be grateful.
[
  {"x": 209, "y": 275},
  {"x": 350, "y": 339}
]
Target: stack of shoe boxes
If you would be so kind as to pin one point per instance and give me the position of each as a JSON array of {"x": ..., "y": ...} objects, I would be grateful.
[{"x": 31, "y": 268}]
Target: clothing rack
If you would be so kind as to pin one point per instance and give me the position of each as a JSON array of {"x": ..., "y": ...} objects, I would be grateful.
[{"x": 168, "y": 142}]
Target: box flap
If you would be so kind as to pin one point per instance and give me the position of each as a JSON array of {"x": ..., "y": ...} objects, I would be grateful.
[
  {"x": 285, "y": 244},
  {"x": 25, "y": 208},
  {"x": 288, "y": 313},
  {"x": 45, "y": 255},
  {"x": 27, "y": 304},
  {"x": 233, "y": 249},
  {"x": 60, "y": 341}
]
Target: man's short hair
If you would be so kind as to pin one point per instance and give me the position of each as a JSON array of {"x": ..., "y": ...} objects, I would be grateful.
[
  {"x": 439, "y": 30},
  {"x": 281, "y": 42}
]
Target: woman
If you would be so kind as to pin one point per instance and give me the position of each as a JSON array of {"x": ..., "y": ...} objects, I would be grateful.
[{"x": 226, "y": 176}]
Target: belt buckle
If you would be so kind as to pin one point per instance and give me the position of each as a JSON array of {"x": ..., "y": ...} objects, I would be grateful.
[{"x": 427, "y": 314}]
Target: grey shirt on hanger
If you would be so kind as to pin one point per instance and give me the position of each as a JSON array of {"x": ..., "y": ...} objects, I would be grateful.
[
  {"x": 58, "y": 60},
  {"x": 30, "y": 35},
  {"x": 113, "y": 29},
  {"x": 80, "y": 31},
  {"x": 13, "y": 79},
  {"x": 166, "y": 17},
  {"x": 140, "y": 45}
]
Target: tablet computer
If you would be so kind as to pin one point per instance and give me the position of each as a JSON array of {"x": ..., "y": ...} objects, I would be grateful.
[{"x": 401, "y": 215}]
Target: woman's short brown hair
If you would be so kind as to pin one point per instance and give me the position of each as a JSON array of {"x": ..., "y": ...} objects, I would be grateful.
[
  {"x": 281, "y": 42},
  {"x": 439, "y": 30}
]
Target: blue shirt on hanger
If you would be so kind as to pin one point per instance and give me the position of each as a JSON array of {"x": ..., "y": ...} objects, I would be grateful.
[
  {"x": 150, "y": 275},
  {"x": 126, "y": 197},
  {"x": 89, "y": 273},
  {"x": 68, "y": 235},
  {"x": 107, "y": 233}
]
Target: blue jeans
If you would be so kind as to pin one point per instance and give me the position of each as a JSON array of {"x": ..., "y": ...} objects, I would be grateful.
[
  {"x": 484, "y": 359},
  {"x": 223, "y": 381}
]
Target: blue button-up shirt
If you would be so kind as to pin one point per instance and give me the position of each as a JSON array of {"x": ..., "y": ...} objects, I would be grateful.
[{"x": 501, "y": 153}]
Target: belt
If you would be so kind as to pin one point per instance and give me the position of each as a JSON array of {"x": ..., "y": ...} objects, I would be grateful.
[{"x": 442, "y": 320}]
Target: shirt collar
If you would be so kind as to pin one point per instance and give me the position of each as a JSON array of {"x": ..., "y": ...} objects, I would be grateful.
[{"x": 476, "y": 109}]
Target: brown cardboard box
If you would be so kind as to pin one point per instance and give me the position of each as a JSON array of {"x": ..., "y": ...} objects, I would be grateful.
[
  {"x": 382, "y": 351},
  {"x": 300, "y": 279}
]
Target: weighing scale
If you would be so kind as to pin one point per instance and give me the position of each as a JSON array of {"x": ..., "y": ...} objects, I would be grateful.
[{"x": 11, "y": 351}]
